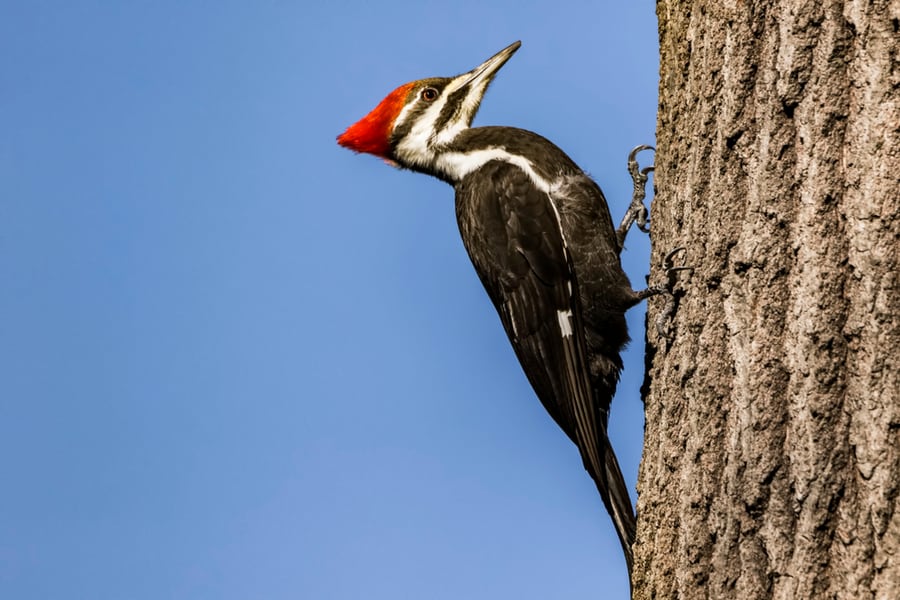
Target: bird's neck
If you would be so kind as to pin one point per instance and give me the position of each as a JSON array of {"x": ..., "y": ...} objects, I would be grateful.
[{"x": 454, "y": 159}]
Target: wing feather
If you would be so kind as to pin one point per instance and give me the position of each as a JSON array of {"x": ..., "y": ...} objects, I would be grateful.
[{"x": 515, "y": 240}]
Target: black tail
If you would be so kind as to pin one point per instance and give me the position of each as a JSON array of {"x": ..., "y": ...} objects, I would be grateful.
[{"x": 615, "y": 496}]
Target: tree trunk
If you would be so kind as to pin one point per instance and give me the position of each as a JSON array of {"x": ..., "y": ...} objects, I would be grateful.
[{"x": 771, "y": 463}]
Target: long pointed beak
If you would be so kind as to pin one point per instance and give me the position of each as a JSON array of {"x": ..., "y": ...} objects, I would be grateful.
[
  {"x": 473, "y": 85},
  {"x": 486, "y": 70}
]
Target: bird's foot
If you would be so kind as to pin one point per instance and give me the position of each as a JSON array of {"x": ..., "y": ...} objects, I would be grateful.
[
  {"x": 637, "y": 213},
  {"x": 668, "y": 289}
]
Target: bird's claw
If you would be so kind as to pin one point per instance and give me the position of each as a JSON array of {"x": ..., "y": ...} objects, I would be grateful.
[
  {"x": 668, "y": 289},
  {"x": 637, "y": 213}
]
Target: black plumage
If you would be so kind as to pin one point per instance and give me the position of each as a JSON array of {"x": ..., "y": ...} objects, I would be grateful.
[
  {"x": 539, "y": 233},
  {"x": 532, "y": 275}
]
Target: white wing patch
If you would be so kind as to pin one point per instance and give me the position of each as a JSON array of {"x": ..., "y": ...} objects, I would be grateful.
[
  {"x": 565, "y": 322},
  {"x": 512, "y": 321}
]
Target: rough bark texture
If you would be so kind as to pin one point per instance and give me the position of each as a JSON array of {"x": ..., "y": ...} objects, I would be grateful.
[{"x": 772, "y": 456}]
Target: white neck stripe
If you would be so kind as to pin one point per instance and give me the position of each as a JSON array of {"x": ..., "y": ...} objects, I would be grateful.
[{"x": 456, "y": 165}]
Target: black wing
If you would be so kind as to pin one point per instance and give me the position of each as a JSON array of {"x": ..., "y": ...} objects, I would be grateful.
[
  {"x": 512, "y": 234},
  {"x": 603, "y": 286}
]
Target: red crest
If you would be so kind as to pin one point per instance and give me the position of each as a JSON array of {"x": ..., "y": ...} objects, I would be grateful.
[{"x": 372, "y": 133}]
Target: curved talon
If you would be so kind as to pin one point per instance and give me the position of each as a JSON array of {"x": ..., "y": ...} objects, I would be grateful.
[
  {"x": 665, "y": 315},
  {"x": 667, "y": 289},
  {"x": 637, "y": 174},
  {"x": 632, "y": 156},
  {"x": 667, "y": 260},
  {"x": 637, "y": 213},
  {"x": 642, "y": 220}
]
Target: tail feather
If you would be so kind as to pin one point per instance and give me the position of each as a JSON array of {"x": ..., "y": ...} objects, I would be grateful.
[{"x": 614, "y": 493}]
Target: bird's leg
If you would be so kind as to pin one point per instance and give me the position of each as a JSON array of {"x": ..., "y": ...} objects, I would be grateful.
[
  {"x": 637, "y": 212},
  {"x": 667, "y": 288}
]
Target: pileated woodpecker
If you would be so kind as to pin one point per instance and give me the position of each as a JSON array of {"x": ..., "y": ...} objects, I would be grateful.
[{"x": 540, "y": 235}]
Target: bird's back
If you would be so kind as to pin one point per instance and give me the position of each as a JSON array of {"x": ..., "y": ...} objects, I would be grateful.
[{"x": 604, "y": 289}]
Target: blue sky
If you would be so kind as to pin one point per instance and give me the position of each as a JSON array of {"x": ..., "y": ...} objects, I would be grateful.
[{"x": 239, "y": 361}]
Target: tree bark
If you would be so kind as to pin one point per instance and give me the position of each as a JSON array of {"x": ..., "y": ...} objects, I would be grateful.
[{"x": 771, "y": 463}]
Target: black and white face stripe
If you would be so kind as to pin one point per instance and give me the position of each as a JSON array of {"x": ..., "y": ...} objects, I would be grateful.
[
  {"x": 453, "y": 111},
  {"x": 425, "y": 125},
  {"x": 416, "y": 107}
]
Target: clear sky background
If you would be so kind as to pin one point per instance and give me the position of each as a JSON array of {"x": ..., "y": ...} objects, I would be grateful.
[{"x": 238, "y": 361}]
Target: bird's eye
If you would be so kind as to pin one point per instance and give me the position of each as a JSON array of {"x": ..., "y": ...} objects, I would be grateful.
[{"x": 429, "y": 94}]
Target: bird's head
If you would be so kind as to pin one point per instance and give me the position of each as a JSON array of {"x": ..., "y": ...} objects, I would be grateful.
[{"x": 417, "y": 120}]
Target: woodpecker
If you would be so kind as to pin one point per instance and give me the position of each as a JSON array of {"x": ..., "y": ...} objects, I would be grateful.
[{"x": 540, "y": 236}]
